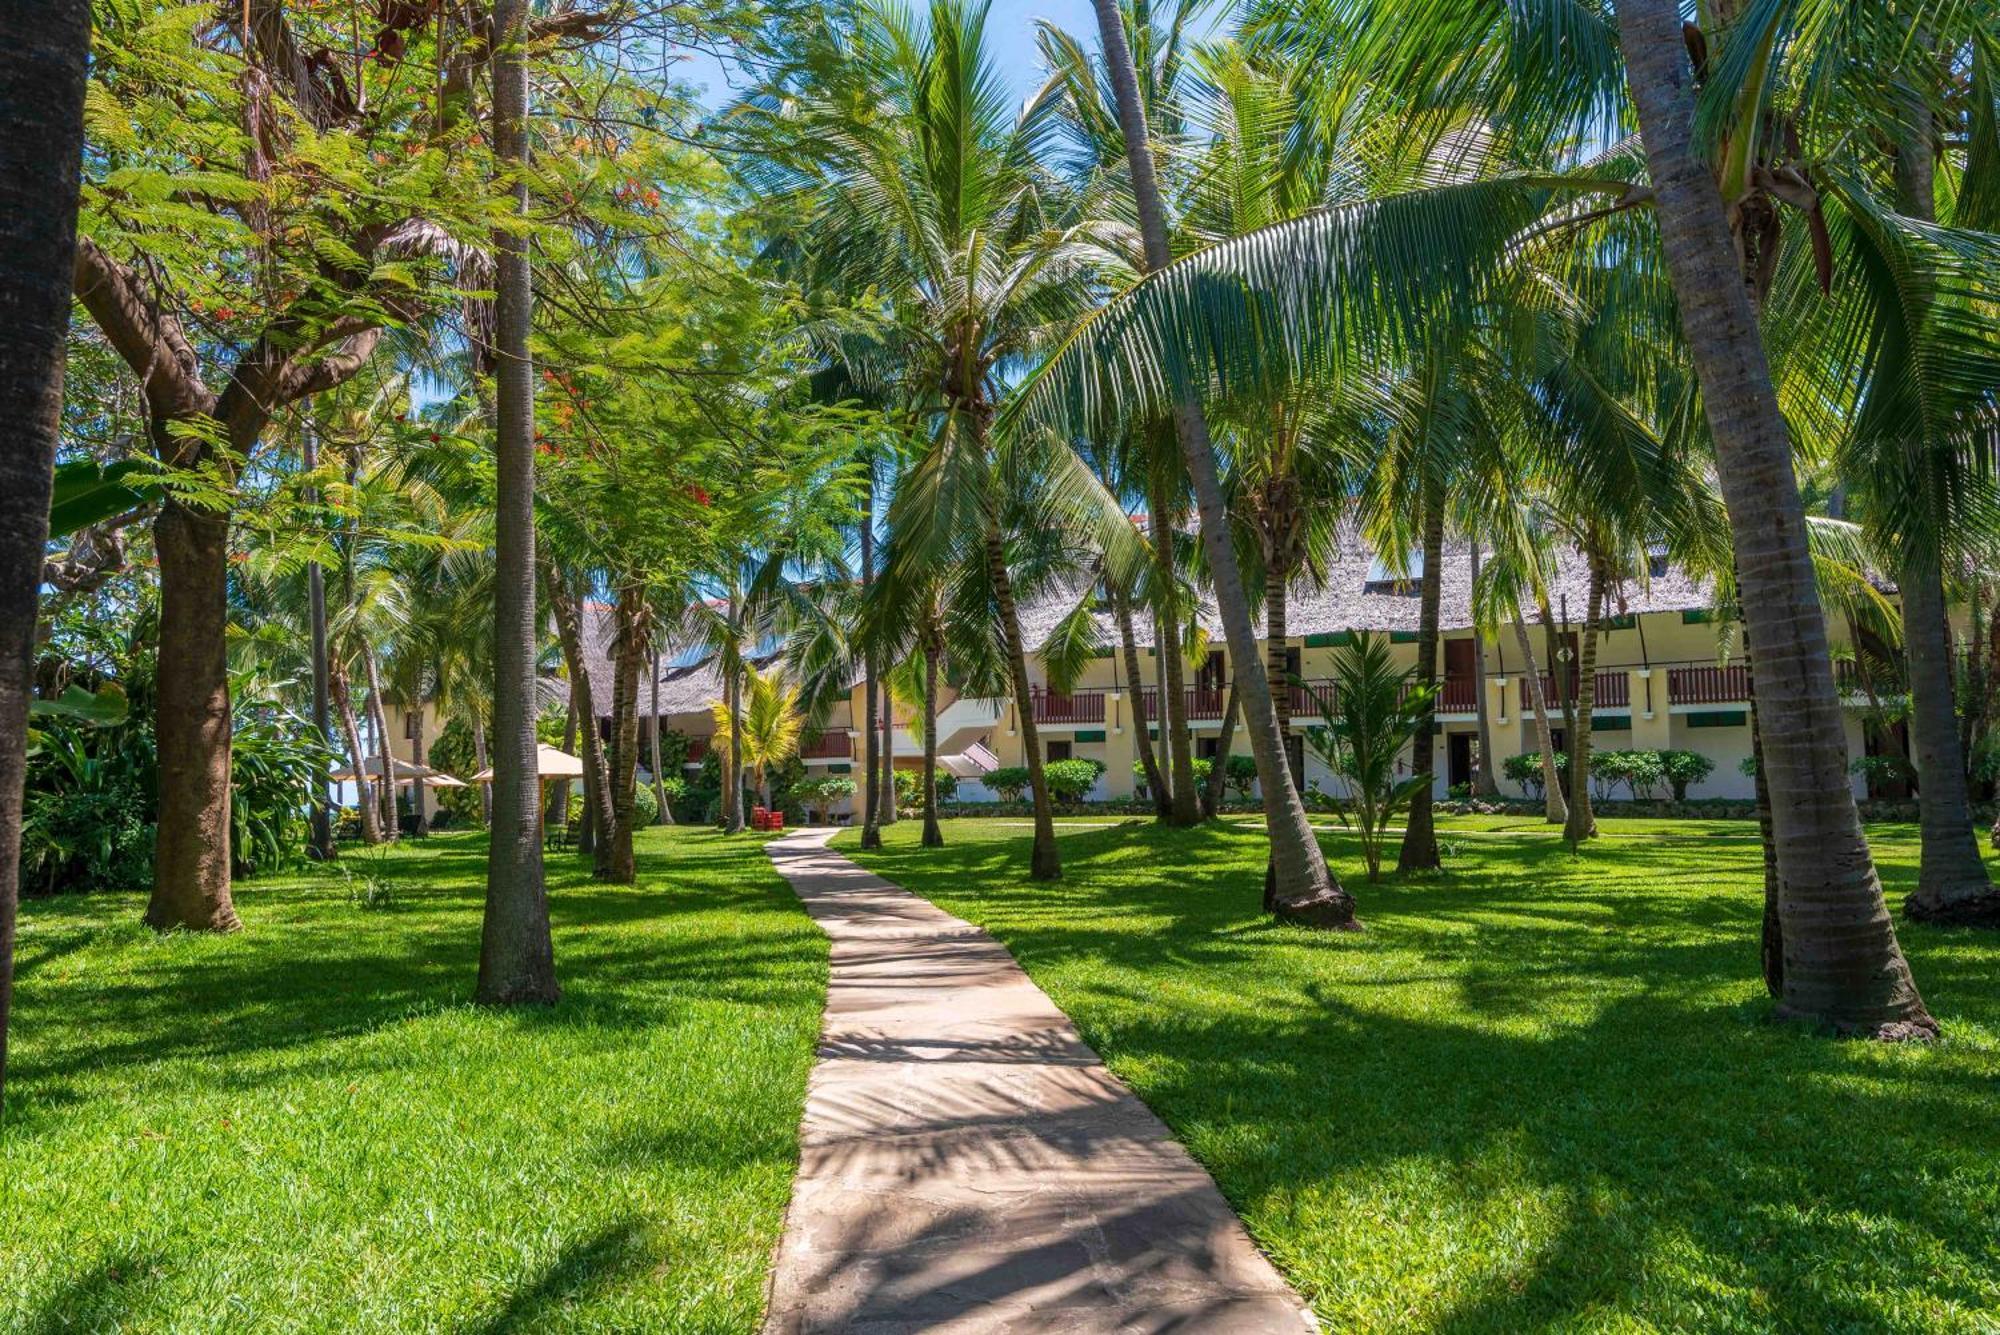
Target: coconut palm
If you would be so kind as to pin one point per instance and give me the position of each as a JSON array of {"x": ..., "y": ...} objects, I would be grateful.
[{"x": 919, "y": 180}]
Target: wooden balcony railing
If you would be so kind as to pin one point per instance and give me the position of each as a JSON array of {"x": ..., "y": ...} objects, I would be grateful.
[
  {"x": 1199, "y": 702},
  {"x": 1458, "y": 695},
  {"x": 829, "y": 745},
  {"x": 1708, "y": 685},
  {"x": 1080, "y": 707},
  {"x": 1311, "y": 699},
  {"x": 1614, "y": 689}
]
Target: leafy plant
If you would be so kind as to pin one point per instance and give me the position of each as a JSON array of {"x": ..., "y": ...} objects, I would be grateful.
[
  {"x": 1240, "y": 774},
  {"x": 1525, "y": 768},
  {"x": 1683, "y": 769},
  {"x": 1010, "y": 781},
  {"x": 276, "y": 766},
  {"x": 1377, "y": 711},
  {"x": 1070, "y": 781},
  {"x": 820, "y": 795},
  {"x": 1642, "y": 772}
]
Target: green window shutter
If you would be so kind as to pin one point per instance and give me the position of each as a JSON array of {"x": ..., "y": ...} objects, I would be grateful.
[
  {"x": 1718, "y": 718},
  {"x": 1402, "y": 637},
  {"x": 1090, "y": 735},
  {"x": 1626, "y": 622},
  {"x": 1611, "y": 722},
  {"x": 1696, "y": 616},
  {"x": 1332, "y": 639},
  {"x": 840, "y": 769}
]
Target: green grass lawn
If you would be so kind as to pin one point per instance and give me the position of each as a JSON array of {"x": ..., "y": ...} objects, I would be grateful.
[
  {"x": 1537, "y": 1092},
  {"x": 307, "y": 1127}
]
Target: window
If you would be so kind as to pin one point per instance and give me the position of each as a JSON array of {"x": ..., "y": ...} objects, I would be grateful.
[
  {"x": 1208, "y": 677},
  {"x": 1719, "y": 718},
  {"x": 1059, "y": 750}
]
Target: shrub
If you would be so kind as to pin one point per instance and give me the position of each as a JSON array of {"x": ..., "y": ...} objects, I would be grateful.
[
  {"x": 275, "y": 765},
  {"x": 821, "y": 794},
  {"x": 1201, "y": 765},
  {"x": 1378, "y": 710},
  {"x": 910, "y": 788},
  {"x": 1881, "y": 769},
  {"x": 1747, "y": 767},
  {"x": 1525, "y": 768},
  {"x": 1070, "y": 781},
  {"x": 1683, "y": 769},
  {"x": 1239, "y": 774},
  {"x": 1641, "y": 772},
  {"x": 1010, "y": 781},
  {"x": 1459, "y": 792}
]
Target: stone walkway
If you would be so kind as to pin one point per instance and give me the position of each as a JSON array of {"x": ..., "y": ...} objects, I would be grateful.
[{"x": 967, "y": 1163}]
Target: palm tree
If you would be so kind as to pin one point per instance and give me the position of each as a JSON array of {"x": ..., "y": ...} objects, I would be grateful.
[
  {"x": 516, "y": 952},
  {"x": 41, "y": 95},
  {"x": 763, "y": 726},
  {"x": 1300, "y": 874},
  {"x": 1843, "y": 965},
  {"x": 919, "y": 181}
]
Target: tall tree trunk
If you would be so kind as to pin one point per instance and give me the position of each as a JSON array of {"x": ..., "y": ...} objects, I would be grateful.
[
  {"x": 479, "y": 759},
  {"x": 666, "y": 816},
  {"x": 516, "y": 953},
  {"x": 1302, "y": 875},
  {"x": 628, "y": 651},
  {"x": 44, "y": 50},
  {"x": 422, "y": 828},
  {"x": 1582, "y": 822},
  {"x": 1485, "y": 784},
  {"x": 1135, "y": 682},
  {"x": 364, "y": 795},
  {"x": 1771, "y": 943},
  {"x": 888, "y": 754},
  {"x": 385, "y": 755},
  {"x": 1952, "y": 884},
  {"x": 1044, "y": 862},
  {"x": 1420, "y": 849},
  {"x": 192, "y": 724},
  {"x": 1555, "y": 809},
  {"x": 321, "y": 845},
  {"x": 1276, "y": 658},
  {"x": 871, "y": 806},
  {"x": 1218, "y": 768},
  {"x": 933, "y": 651},
  {"x": 1843, "y": 966},
  {"x": 735, "y": 794},
  {"x": 559, "y": 797},
  {"x": 1183, "y": 806},
  {"x": 568, "y": 614}
]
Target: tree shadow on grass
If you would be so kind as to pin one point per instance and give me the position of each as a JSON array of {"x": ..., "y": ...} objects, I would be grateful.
[
  {"x": 1583, "y": 1033},
  {"x": 98, "y": 1295},
  {"x": 582, "y": 1268}
]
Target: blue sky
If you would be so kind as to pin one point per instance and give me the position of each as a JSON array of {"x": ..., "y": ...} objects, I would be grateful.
[{"x": 1010, "y": 26}]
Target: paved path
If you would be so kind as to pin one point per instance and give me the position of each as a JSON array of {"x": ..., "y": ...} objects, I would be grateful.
[{"x": 967, "y": 1164}]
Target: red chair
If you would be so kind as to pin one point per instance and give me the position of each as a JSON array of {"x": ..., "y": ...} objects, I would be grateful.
[{"x": 776, "y": 824}]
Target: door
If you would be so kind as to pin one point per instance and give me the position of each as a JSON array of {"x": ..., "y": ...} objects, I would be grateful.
[
  {"x": 1461, "y": 676},
  {"x": 1458, "y": 759},
  {"x": 1208, "y": 677}
]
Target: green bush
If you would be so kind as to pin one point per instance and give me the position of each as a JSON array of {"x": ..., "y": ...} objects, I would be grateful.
[
  {"x": 1070, "y": 781},
  {"x": 1010, "y": 781},
  {"x": 86, "y": 819},
  {"x": 1747, "y": 766},
  {"x": 819, "y": 796},
  {"x": 1882, "y": 769},
  {"x": 1201, "y": 764},
  {"x": 910, "y": 788},
  {"x": 1642, "y": 772},
  {"x": 645, "y": 807},
  {"x": 1240, "y": 774},
  {"x": 1525, "y": 768},
  {"x": 1683, "y": 769}
]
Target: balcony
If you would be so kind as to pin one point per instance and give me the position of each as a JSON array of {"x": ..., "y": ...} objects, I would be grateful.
[
  {"x": 830, "y": 745},
  {"x": 1311, "y": 698},
  {"x": 1614, "y": 689},
  {"x": 1080, "y": 707},
  {"x": 1458, "y": 695},
  {"x": 1708, "y": 685},
  {"x": 1198, "y": 703}
]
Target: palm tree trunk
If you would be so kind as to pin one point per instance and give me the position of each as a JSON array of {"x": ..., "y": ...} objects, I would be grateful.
[
  {"x": 1843, "y": 966},
  {"x": 666, "y": 816},
  {"x": 1302, "y": 875},
  {"x": 597, "y": 826},
  {"x": 46, "y": 51},
  {"x": 735, "y": 794},
  {"x": 385, "y": 755},
  {"x": 1218, "y": 768},
  {"x": 559, "y": 798},
  {"x": 321, "y": 846},
  {"x": 1121, "y": 610},
  {"x": 479, "y": 759},
  {"x": 422, "y": 827},
  {"x": 628, "y": 650},
  {"x": 1276, "y": 659},
  {"x": 1420, "y": 849},
  {"x": 1771, "y": 939},
  {"x": 1183, "y": 806},
  {"x": 343, "y": 695},
  {"x": 1556, "y": 810},
  {"x": 933, "y": 835},
  {"x": 888, "y": 755},
  {"x": 1485, "y": 784},
  {"x": 516, "y": 952},
  {"x": 1582, "y": 822},
  {"x": 1044, "y": 863},
  {"x": 871, "y": 807},
  {"x": 1952, "y": 884}
]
